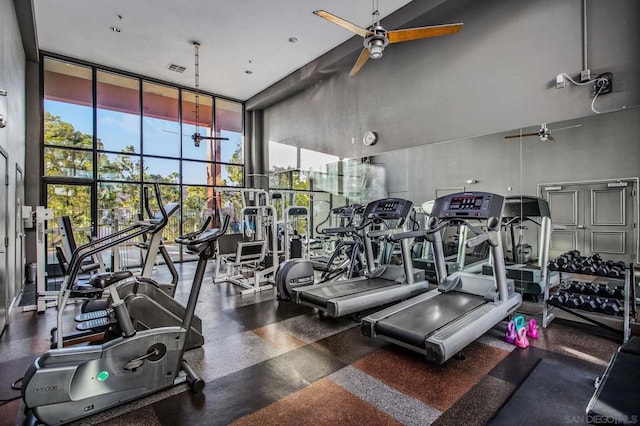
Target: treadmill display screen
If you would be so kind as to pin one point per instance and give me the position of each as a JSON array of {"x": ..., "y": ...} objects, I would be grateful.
[
  {"x": 471, "y": 202},
  {"x": 477, "y": 205},
  {"x": 388, "y": 208}
]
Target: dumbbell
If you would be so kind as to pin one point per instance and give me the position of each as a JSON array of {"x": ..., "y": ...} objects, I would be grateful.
[
  {"x": 618, "y": 292},
  {"x": 572, "y": 301},
  {"x": 558, "y": 299},
  {"x": 588, "y": 303},
  {"x": 573, "y": 267},
  {"x": 590, "y": 289},
  {"x": 567, "y": 257},
  {"x": 602, "y": 270},
  {"x": 611, "y": 307},
  {"x": 616, "y": 270},
  {"x": 604, "y": 290},
  {"x": 594, "y": 259},
  {"x": 590, "y": 269},
  {"x": 576, "y": 287}
]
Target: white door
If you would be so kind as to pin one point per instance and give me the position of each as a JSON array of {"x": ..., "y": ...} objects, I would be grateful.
[
  {"x": 20, "y": 235},
  {"x": 4, "y": 213},
  {"x": 593, "y": 218}
]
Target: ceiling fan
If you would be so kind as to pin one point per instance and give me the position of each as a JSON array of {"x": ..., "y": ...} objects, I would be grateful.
[
  {"x": 376, "y": 38},
  {"x": 544, "y": 133},
  {"x": 197, "y": 137}
]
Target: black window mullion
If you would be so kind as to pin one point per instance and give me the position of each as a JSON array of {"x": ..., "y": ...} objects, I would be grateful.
[{"x": 94, "y": 186}]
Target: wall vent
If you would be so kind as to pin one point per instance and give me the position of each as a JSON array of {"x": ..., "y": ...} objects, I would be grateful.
[{"x": 176, "y": 68}]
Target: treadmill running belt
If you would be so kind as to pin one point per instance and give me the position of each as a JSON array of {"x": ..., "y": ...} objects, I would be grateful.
[
  {"x": 321, "y": 295},
  {"x": 414, "y": 324}
]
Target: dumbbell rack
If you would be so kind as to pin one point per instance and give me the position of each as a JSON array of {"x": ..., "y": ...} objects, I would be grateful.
[{"x": 599, "y": 319}]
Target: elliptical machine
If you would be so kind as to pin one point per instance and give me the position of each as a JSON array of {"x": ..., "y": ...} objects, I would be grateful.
[
  {"x": 67, "y": 384},
  {"x": 148, "y": 303}
]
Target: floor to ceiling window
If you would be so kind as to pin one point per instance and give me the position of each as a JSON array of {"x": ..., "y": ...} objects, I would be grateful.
[{"x": 108, "y": 134}]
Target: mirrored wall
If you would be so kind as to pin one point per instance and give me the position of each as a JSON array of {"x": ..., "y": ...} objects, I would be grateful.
[{"x": 587, "y": 168}]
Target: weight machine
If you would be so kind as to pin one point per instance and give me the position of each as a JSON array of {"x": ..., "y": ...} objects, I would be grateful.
[
  {"x": 296, "y": 241},
  {"x": 250, "y": 259},
  {"x": 37, "y": 218}
]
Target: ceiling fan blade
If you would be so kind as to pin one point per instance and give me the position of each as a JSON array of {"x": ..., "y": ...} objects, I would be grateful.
[
  {"x": 550, "y": 138},
  {"x": 398, "y": 36},
  {"x": 344, "y": 24},
  {"x": 568, "y": 127},
  {"x": 521, "y": 136},
  {"x": 364, "y": 55}
]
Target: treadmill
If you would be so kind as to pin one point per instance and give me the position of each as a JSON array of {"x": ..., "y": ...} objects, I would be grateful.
[
  {"x": 464, "y": 306},
  {"x": 380, "y": 285},
  {"x": 530, "y": 273},
  {"x": 456, "y": 255}
]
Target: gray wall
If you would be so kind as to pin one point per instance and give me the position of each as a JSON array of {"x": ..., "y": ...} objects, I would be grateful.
[
  {"x": 497, "y": 74},
  {"x": 12, "y": 137}
]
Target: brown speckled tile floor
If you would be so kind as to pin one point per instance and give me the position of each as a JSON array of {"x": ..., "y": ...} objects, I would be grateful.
[
  {"x": 439, "y": 386},
  {"x": 269, "y": 362},
  {"x": 321, "y": 403}
]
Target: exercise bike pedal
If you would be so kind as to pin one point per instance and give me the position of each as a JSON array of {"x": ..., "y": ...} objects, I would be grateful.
[
  {"x": 99, "y": 323},
  {"x": 88, "y": 316}
]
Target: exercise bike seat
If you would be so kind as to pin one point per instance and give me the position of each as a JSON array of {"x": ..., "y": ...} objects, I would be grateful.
[{"x": 105, "y": 279}]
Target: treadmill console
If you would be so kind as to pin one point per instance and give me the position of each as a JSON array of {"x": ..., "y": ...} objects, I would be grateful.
[
  {"x": 525, "y": 206},
  {"x": 468, "y": 205},
  {"x": 389, "y": 208},
  {"x": 348, "y": 211}
]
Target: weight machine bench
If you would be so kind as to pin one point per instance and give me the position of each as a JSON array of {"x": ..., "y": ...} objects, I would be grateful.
[
  {"x": 237, "y": 255},
  {"x": 617, "y": 396}
]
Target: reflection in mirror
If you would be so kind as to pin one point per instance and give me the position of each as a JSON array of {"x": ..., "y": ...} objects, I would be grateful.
[{"x": 600, "y": 149}]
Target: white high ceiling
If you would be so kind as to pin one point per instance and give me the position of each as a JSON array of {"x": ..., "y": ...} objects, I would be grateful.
[{"x": 235, "y": 36}]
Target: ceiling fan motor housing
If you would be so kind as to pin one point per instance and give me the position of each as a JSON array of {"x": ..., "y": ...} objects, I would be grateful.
[{"x": 376, "y": 42}]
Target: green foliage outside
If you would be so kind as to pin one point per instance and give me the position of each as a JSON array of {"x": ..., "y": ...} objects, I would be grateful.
[{"x": 75, "y": 200}]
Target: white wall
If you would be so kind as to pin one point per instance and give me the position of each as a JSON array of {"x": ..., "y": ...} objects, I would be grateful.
[{"x": 12, "y": 137}]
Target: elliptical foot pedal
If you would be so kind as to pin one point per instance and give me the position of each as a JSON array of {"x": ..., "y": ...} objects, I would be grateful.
[
  {"x": 88, "y": 316},
  {"x": 99, "y": 323}
]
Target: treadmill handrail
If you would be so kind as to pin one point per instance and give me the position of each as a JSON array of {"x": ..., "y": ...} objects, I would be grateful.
[
  {"x": 408, "y": 234},
  {"x": 477, "y": 240},
  {"x": 385, "y": 232},
  {"x": 340, "y": 230},
  {"x": 427, "y": 233}
]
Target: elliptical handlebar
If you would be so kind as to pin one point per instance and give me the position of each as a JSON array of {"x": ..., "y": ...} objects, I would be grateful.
[
  {"x": 351, "y": 209},
  {"x": 165, "y": 217},
  {"x": 194, "y": 234},
  {"x": 135, "y": 230},
  {"x": 198, "y": 242}
]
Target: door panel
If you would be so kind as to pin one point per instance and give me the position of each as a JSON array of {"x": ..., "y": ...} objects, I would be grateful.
[
  {"x": 608, "y": 242},
  {"x": 608, "y": 207},
  {"x": 565, "y": 205},
  {"x": 563, "y": 241}
]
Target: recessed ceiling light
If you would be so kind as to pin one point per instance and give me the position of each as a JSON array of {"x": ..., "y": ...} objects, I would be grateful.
[
  {"x": 292, "y": 39},
  {"x": 115, "y": 29}
]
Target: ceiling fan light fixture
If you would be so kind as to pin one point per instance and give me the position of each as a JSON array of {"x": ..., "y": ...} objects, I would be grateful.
[
  {"x": 375, "y": 51},
  {"x": 376, "y": 44}
]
